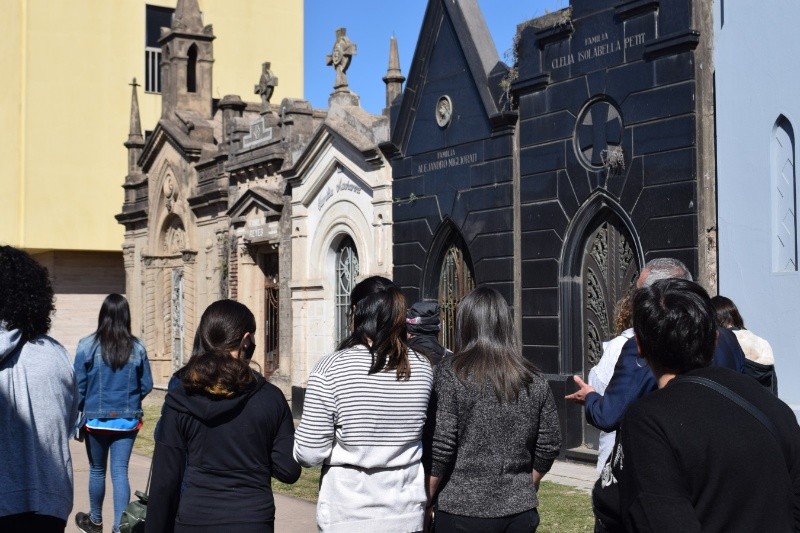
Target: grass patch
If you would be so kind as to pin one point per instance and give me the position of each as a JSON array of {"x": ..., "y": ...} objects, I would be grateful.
[
  {"x": 564, "y": 509},
  {"x": 306, "y": 488},
  {"x": 144, "y": 443}
]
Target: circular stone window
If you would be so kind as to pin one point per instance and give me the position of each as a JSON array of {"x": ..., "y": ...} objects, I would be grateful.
[
  {"x": 444, "y": 111},
  {"x": 598, "y": 135}
]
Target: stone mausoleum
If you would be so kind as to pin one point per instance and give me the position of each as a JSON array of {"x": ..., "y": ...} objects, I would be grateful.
[
  {"x": 555, "y": 179},
  {"x": 280, "y": 206}
]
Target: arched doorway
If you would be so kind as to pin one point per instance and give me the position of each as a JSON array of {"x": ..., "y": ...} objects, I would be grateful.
[
  {"x": 601, "y": 262},
  {"x": 455, "y": 281},
  {"x": 346, "y": 275}
]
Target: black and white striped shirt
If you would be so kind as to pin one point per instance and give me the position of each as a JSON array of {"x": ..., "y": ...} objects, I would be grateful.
[{"x": 351, "y": 417}]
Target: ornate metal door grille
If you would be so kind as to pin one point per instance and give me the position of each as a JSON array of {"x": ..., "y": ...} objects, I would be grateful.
[
  {"x": 177, "y": 318},
  {"x": 609, "y": 269},
  {"x": 346, "y": 274},
  {"x": 271, "y": 308},
  {"x": 455, "y": 281}
]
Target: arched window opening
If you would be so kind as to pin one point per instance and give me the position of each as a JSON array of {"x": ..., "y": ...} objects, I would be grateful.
[
  {"x": 191, "y": 70},
  {"x": 784, "y": 198},
  {"x": 346, "y": 274},
  {"x": 455, "y": 281}
]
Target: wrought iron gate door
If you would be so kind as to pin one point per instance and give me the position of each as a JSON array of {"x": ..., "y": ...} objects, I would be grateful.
[
  {"x": 269, "y": 266},
  {"x": 177, "y": 324},
  {"x": 610, "y": 268},
  {"x": 455, "y": 281}
]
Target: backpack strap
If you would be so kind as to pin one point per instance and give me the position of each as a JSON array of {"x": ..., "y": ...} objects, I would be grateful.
[{"x": 740, "y": 401}]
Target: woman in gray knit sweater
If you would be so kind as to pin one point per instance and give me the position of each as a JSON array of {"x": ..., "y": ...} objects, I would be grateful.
[{"x": 495, "y": 430}]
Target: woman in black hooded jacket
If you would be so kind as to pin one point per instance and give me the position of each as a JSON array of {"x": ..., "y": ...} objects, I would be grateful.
[{"x": 224, "y": 433}]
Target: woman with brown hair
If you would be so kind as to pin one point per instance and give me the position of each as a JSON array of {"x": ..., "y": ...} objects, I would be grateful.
[
  {"x": 224, "y": 433},
  {"x": 495, "y": 429},
  {"x": 363, "y": 415}
]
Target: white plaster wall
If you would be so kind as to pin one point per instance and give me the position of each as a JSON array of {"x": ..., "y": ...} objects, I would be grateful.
[{"x": 757, "y": 78}]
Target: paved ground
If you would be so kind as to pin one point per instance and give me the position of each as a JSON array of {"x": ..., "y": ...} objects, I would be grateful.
[{"x": 293, "y": 515}]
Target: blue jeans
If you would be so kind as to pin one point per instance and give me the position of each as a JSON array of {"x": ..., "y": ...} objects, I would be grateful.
[{"x": 97, "y": 447}]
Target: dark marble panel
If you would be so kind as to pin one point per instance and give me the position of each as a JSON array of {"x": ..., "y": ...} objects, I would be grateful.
[
  {"x": 633, "y": 186},
  {"x": 541, "y": 244},
  {"x": 583, "y": 8},
  {"x": 566, "y": 195},
  {"x": 411, "y": 253},
  {"x": 414, "y": 230},
  {"x": 540, "y": 302},
  {"x": 544, "y": 215},
  {"x": 426, "y": 207},
  {"x": 665, "y": 200},
  {"x": 568, "y": 95},
  {"x": 541, "y": 158},
  {"x": 532, "y": 105},
  {"x": 497, "y": 171},
  {"x": 538, "y": 187},
  {"x": 492, "y": 198},
  {"x": 492, "y": 245},
  {"x": 628, "y": 78},
  {"x": 540, "y": 273},
  {"x": 674, "y": 69},
  {"x": 494, "y": 270},
  {"x": 671, "y": 232},
  {"x": 408, "y": 278},
  {"x": 668, "y": 134},
  {"x": 639, "y": 30},
  {"x": 667, "y": 167},
  {"x": 494, "y": 221},
  {"x": 403, "y": 188},
  {"x": 578, "y": 175},
  {"x": 545, "y": 358},
  {"x": 659, "y": 103},
  {"x": 674, "y": 16},
  {"x": 596, "y": 82},
  {"x": 546, "y": 128},
  {"x": 540, "y": 331},
  {"x": 505, "y": 288},
  {"x": 500, "y": 146}
]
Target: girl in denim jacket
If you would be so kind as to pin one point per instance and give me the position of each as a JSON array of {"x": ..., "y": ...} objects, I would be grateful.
[{"x": 113, "y": 376}]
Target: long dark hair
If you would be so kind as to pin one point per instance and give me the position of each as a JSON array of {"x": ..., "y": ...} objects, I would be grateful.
[
  {"x": 212, "y": 369},
  {"x": 379, "y": 316},
  {"x": 114, "y": 331},
  {"x": 487, "y": 352},
  {"x": 727, "y": 313}
]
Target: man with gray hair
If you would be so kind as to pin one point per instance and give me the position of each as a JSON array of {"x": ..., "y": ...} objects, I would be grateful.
[{"x": 632, "y": 377}]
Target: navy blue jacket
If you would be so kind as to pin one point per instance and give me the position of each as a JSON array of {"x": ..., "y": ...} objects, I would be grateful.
[{"x": 633, "y": 379}]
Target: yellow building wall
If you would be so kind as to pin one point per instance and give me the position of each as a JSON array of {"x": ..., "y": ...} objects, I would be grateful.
[
  {"x": 11, "y": 155},
  {"x": 68, "y": 76}
]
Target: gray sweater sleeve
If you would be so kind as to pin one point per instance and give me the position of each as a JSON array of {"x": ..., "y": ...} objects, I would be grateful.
[
  {"x": 445, "y": 436},
  {"x": 548, "y": 442}
]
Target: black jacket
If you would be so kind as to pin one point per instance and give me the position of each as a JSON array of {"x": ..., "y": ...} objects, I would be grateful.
[
  {"x": 692, "y": 460},
  {"x": 214, "y": 457}
]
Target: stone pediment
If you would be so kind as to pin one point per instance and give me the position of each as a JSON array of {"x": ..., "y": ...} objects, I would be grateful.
[
  {"x": 173, "y": 132},
  {"x": 453, "y": 93},
  {"x": 269, "y": 202}
]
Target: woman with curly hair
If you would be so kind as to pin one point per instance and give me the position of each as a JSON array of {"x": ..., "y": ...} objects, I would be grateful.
[
  {"x": 224, "y": 433},
  {"x": 363, "y": 416},
  {"x": 38, "y": 404},
  {"x": 113, "y": 376}
]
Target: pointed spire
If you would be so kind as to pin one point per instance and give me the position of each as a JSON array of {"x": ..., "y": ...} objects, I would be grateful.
[
  {"x": 135, "y": 124},
  {"x": 135, "y": 141},
  {"x": 394, "y": 77},
  {"x": 187, "y": 17}
]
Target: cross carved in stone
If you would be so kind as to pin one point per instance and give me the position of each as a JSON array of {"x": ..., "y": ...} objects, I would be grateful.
[
  {"x": 343, "y": 51},
  {"x": 266, "y": 86}
]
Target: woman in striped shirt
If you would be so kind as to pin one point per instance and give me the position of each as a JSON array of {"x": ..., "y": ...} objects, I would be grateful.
[{"x": 363, "y": 416}]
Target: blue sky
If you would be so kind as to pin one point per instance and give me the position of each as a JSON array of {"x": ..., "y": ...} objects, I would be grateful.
[{"x": 370, "y": 24}]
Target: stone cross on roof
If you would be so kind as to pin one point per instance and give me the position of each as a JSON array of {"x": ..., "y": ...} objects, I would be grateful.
[
  {"x": 266, "y": 86},
  {"x": 343, "y": 51}
]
